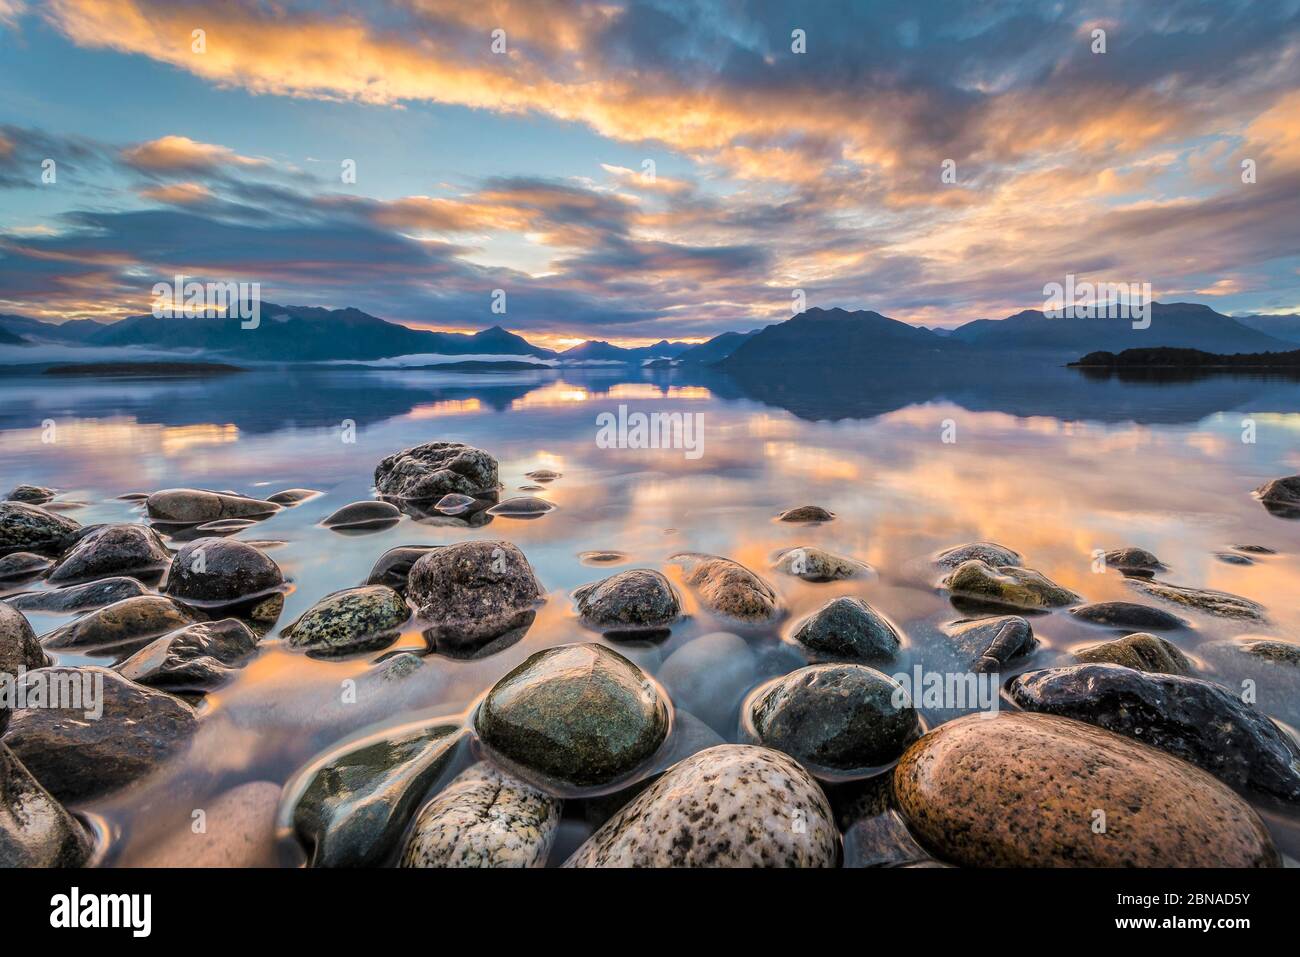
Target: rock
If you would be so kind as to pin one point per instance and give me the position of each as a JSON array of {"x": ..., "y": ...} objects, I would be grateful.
[
  {"x": 635, "y": 601},
  {"x": 1281, "y": 496},
  {"x": 818, "y": 565},
  {"x": 1140, "y": 651},
  {"x": 239, "y": 832},
  {"x": 133, "y": 496},
  {"x": 602, "y": 558},
  {"x": 835, "y": 718},
  {"x": 1023, "y": 790},
  {"x": 848, "y": 629},
  {"x": 432, "y": 470},
  {"x": 23, "y": 565},
  {"x": 350, "y": 621},
  {"x": 1232, "y": 558},
  {"x": 75, "y": 598},
  {"x": 78, "y": 755},
  {"x": 729, "y": 588},
  {"x": 990, "y": 644},
  {"x": 1130, "y": 559},
  {"x": 1266, "y": 669},
  {"x": 195, "y": 658},
  {"x": 1192, "y": 719},
  {"x": 31, "y": 494},
  {"x": 1255, "y": 549},
  {"x": 582, "y": 715},
  {"x": 542, "y": 475},
  {"x": 874, "y": 833},
  {"x": 219, "y": 571},
  {"x": 453, "y": 503},
  {"x": 525, "y": 506},
  {"x": 1210, "y": 602},
  {"x": 293, "y": 496},
  {"x": 19, "y": 650},
  {"x": 806, "y": 513},
  {"x": 471, "y": 593},
  {"x": 1007, "y": 585},
  {"x": 394, "y": 566},
  {"x": 225, "y": 526},
  {"x": 709, "y": 677},
  {"x": 364, "y": 515},
  {"x": 35, "y": 830},
  {"x": 192, "y": 506},
  {"x": 29, "y": 528},
  {"x": 990, "y": 553},
  {"x": 484, "y": 818},
  {"x": 113, "y": 551},
  {"x": 124, "y": 626},
  {"x": 733, "y": 805},
  {"x": 1127, "y": 614},
  {"x": 351, "y": 807}
]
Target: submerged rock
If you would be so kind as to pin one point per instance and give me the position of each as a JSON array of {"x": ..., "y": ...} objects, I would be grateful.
[
  {"x": 471, "y": 593},
  {"x": 74, "y": 598},
  {"x": 1023, "y": 790},
  {"x": 1140, "y": 651},
  {"x": 394, "y": 566},
  {"x": 1255, "y": 549},
  {"x": 732, "y": 805},
  {"x": 292, "y": 496},
  {"x": 1219, "y": 603},
  {"x": 524, "y": 506},
  {"x": 31, "y": 494},
  {"x": 806, "y": 513},
  {"x": 350, "y": 621},
  {"x": 220, "y": 571},
  {"x": 113, "y": 551},
  {"x": 818, "y": 565},
  {"x": 367, "y": 514},
  {"x": 23, "y": 565},
  {"x": 240, "y": 832},
  {"x": 637, "y": 600},
  {"x": 729, "y": 588},
  {"x": 357, "y": 802},
  {"x": 708, "y": 676},
  {"x": 1232, "y": 558},
  {"x": 848, "y": 629},
  {"x": 580, "y": 714},
  {"x": 124, "y": 626},
  {"x": 432, "y": 470},
  {"x": 35, "y": 830},
  {"x": 837, "y": 718},
  {"x": 484, "y": 818},
  {"x": 29, "y": 528},
  {"x": 453, "y": 503},
  {"x": 102, "y": 743},
  {"x": 19, "y": 650},
  {"x": 1133, "y": 560},
  {"x": 1281, "y": 496},
  {"x": 874, "y": 833},
  {"x": 1264, "y": 669},
  {"x": 990, "y": 644},
  {"x": 1007, "y": 585},
  {"x": 195, "y": 658},
  {"x": 193, "y": 506},
  {"x": 542, "y": 475},
  {"x": 990, "y": 553},
  {"x": 1192, "y": 719},
  {"x": 1127, "y": 614},
  {"x": 602, "y": 557}
]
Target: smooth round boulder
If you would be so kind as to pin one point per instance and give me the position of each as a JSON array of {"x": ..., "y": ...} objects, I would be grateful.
[
  {"x": 29, "y": 528},
  {"x": 113, "y": 551},
  {"x": 394, "y": 566},
  {"x": 1221, "y": 604},
  {"x": 836, "y": 719},
  {"x": 293, "y": 496},
  {"x": 543, "y": 475},
  {"x": 523, "y": 506},
  {"x": 35, "y": 830},
  {"x": 192, "y": 659},
  {"x": 350, "y": 621},
  {"x": 732, "y": 805},
  {"x": 471, "y": 593},
  {"x": 430, "y": 471},
  {"x": 1281, "y": 496},
  {"x": 75, "y": 598},
  {"x": 1127, "y": 614},
  {"x": 19, "y": 651},
  {"x": 31, "y": 494},
  {"x": 193, "y": 506},
  {"x": 990, "y": 553},
  {"x": 1232, "y": 558},
  {"x": 848, "y": 629},
  {"x": 221, "y": 571},
  {"x": 581, "y": 715},
  {"x": 708, "y": 676},
  {"x": 484, "y": 818},
  {"x": 1140, "y": 651},
  {"x": 987, "y": 645},
  {"x": 636, "y": 600},
  {"x": 1265, "y": 668},
  {"x": 1133, "y": 560},
  {"x": 359, "y": 515},
  {"x": 1007, "y": 585},
  {"x": 124, "y": 626},
  {"x": 806, "y": 513},
  {"x": 1037, "y": 790},
  {"x": 19, "y": 566},
  {"x": 818, "y": 565},
  {"x": 729, "y": 589}
]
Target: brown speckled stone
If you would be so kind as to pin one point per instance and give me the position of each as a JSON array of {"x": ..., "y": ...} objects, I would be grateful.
[
  {"x": 729, "y": 588},
  {"x": 1020, "y": 790}
]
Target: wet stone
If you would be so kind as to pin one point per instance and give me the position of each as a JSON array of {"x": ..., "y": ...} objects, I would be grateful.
[
  {"x": 1232, "y": 558},
  {"x": 453, "y": 503},
  {"x": 818, "y": 565},
  {"x": 192, "y": 506},
  {"x": 198, "y": 657},
  {"x": 124, "y": 626},
  {"x": 988, "y": 645},
  {"x": 293, "y": 496},
  {"x": 31, "y": 494},
  {"x": 806, "y": 513},
  {"x": 77, "y": 598},
  {"x": 542, "y": 475},
  {"x": 636, "y": 600},
  {"x": 1141, "y": 651},
  {"x": 239, "y": 832},
  {"x": 434, "y": 469},
  {"x": 525, "y": 506},
  {"x": 1255, "y": 549},
  {"x": 848, "y": 629},
  {"x": 220, "y": 571},
  {"x": 35, "y": 830},
  {"x": 23, "y": 566},
  {"x": 602, "y": 557},
  {"x": 729, "y": 589},
  {"x": 19, "y": 650},
  {"x": 1007, "y": 585},
  {"x": 1281, "y": 496},
  {"x": 394, "y": 566},
  {"x": 471, "y": 593},
  {"x": 1127, "y": 614},
  {"x": 350, "y": 621},
  {"x": 361, "y": 515},
  {"x": 113, "y": 551},
  {"x": 1218, "y": 603},
  {"x": 29, "y": 528},
  {"x": 1269, "y": 668},
  {"x": 1133, "y": 560},
  {"x": 990, "y": 553},
  {"x": 226, "y": 526}
]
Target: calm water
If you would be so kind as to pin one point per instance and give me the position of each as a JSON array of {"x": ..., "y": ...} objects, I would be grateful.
[{"x": 1046, "y": 461}]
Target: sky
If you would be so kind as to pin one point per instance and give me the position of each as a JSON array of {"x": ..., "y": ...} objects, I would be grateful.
[{"x": 632, "y": 171}]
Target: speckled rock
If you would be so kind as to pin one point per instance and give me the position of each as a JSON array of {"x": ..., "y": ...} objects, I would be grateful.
[
  {"x": 1192, "y": 719},
  {"x": 1007, "y": 585},
  {"x": 394, "y": 566},
  {"x": 350, "y": 807},
  {"x": 218, "y": 571},
  {"x": 637, "y": 600},
  {"x": 806, "y": 513},
  {"x": 582, "y": 715},
  {"x": 113, "y": 550},
  {"x": 471, "y": 593},
  {"x": 430, "y": 471},
  {"x": 729, "y": 589},
  {"x": 29, "y": 528},
  {"x": 848, "y": 629},
  {"x": 523, "y": 506},
  {"x": 193, "y": 506},
  {"x": 1127, "y": 614},
  {"x": 31, "y": 494},
  {"x": 1281, "y": 496},
  {"x": 990, "y": 644},
  {"x": 350, "y": 621},
  {"x": 835, "y": 718},
  {"x": 733, "y": 805},
  {"x": 23, "y": 565},
  {"x": 361, "y": 515},
  {"x": 708, "y": 676},
  {"x": 239, "y": 832},
  {"x": 484, "y": 818},
  {"x": 818, "y": 565},
  {"x": 292, "y": 496},
  {"x": 35, "y": 830},
  {"x": 75, "y": 598},
  {"x": 195, "y": 658},
  {"x": 1141, "y": 651},
  {"x": 124, "y": 626},
  {"x": 990, "y": 553},
  {"x": 1021, "y": 790},
  {"x": 79, "y": 755},
  {"x": 1263, "y": 670},
  {"x": 1133, "y": 560},
  {"x": 1218, "y": 603}
]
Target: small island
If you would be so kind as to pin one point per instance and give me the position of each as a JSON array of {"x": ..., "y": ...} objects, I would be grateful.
[
  {"x": 1189, "y": 359},
  {"x": 144, "y": 370}
]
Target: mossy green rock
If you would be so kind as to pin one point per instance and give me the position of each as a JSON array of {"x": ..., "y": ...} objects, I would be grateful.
[
  {"x": 350, "y": 621},
  {"x": 580, "y": 714},
  {"x": 1007, "y": 585}
]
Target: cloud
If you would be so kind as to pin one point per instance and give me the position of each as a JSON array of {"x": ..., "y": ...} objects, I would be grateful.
[{"x": 180, "y": 154}]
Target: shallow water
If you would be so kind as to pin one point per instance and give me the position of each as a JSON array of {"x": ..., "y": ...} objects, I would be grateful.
[{"x": 1045, "y": 461}]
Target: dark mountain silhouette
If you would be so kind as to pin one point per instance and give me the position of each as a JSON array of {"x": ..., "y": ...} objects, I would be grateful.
[
  {"x": 820, "y": 336},
  {"x": 717, "y": 348},
  {"x": 33, "y": 330},
  {"x": 597, "y": 350},
  {"x": 1165, "y": 358},
  {"x": 1282, "y": 327},
  {"x": 9, "y": 339}
]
